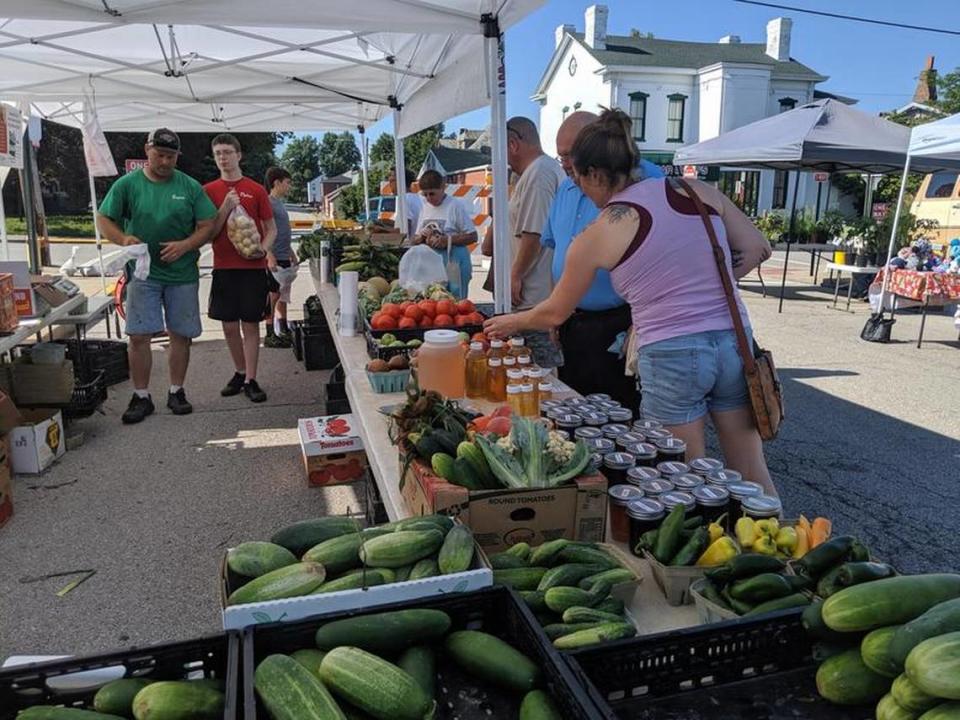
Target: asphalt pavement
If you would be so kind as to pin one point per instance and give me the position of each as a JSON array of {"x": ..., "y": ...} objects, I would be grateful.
[{"x": 871, "y": 440}]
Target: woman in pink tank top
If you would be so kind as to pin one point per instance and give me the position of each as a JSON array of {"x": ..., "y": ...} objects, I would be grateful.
[{"x": 652, "y": 240}]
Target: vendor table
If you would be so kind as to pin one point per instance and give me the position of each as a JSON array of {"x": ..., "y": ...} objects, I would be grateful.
[
  {"x": 929, "y": 288},
  {"x": 852, "y": 270},
  {"x": 34, "y": 326},
  {"x": 649, "y": 608},
  {"x": 816, "y": 251}
]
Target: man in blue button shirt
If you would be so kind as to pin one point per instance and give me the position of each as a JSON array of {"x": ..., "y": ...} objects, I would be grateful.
[{"x": 602, "y": 315}]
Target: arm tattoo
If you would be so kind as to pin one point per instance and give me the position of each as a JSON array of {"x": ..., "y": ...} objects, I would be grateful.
[{"x": 616, "y": 213}]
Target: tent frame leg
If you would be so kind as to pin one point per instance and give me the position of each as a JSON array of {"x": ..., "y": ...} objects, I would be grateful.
[{"x": 790, "y": 231}]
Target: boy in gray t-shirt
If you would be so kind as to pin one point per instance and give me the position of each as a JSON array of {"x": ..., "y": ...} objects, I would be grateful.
[{"x": 281, "y": 261}]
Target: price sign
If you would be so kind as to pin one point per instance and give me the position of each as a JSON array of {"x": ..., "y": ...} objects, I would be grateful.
[
  {"x": 821, "y": 177},
  {"x": 132, "y": 164}
]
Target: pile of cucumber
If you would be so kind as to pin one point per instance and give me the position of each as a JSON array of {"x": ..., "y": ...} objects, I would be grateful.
[
  {"x": 754, "y": 584},
  {"x": 384, "y": 666},
  {"x": 567, "y": 584},
  {"x": 893, "y": 641},
  {"x": 142, "y": 699},
  {"x": 332, "y": 554}
]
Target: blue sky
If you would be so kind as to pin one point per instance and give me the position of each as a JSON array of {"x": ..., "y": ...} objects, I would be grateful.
[{"x": 877, "y": 65}]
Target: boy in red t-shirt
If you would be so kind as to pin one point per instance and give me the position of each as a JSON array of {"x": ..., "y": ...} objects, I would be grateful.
[{"x": 239, "y": 294}]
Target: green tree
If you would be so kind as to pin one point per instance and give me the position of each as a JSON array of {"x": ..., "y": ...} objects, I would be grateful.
[
  {"x": 382, "y": 149},
  {"x": 301, "y": 158},
  {"x": 948, "y": 90},
  {"x": 415, "y": 147},
  {"x": 338, "y": 154}
]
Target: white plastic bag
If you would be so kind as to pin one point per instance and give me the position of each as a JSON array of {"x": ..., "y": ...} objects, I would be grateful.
[
  {"x": 421, "y": 267},
  {"x": 243, "y": 233}
]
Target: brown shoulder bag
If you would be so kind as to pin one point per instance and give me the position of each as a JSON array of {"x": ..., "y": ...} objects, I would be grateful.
[{"x": 766, "y": 393}]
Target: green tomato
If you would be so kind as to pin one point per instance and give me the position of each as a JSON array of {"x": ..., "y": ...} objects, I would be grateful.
[
  {"x": 414, "y": 343},
  {"x": 388, "y": 339},
  {"x": 463, "y": 337}
]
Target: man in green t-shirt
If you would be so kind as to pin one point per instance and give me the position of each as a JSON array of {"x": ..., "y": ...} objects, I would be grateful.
[{"x": 169, "y": 212}]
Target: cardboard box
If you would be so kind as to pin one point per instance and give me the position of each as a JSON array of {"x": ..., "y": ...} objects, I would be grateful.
[
  {"x": 6, "y": 482},
  {"x": 9, "y": 320},
  {"x": 9, "y": 414},
  {"x": 332, "y": 450},
  {"x": 502, "y": 518},
  {"x": 38, "y": 442},
  {"x": 241, "y": 616},
  {"x": 26, "y": 302},
  {"x": 31, "y": 385}
]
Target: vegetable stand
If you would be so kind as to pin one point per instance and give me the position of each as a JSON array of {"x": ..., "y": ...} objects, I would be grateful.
[{"x": 648, "y": 609}]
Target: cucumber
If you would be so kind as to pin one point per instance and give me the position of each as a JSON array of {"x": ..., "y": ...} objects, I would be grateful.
[
  {"x": 506, "y": 561},
  {"x": 812, "y": 621},
  {"x": 938, "y": 620},
  {"x": 456, "y": 553},
  {"x": 519, "y": 578},
  {"x": 387, "y": 632},
  {"x": 748, "y": 565},
  {"x": 890, "y": 601},
  {"x": 934, "y": 666},
  {"x": 594, "y": 635},
  {"x": 587, "y": 555},
  {"x": 611, "y": 577},
  {"x": 821, "y": 650},
  {"x": 309, "y": 658},
  {"x": 567, "y": 574},
  {"x": 425, "y": 568},
  {"x": 535, "y": 600},
  {"x": 443, "y": 523},
  {"x": 610, "y": 605},
  {"x": 402, "y": 547},
  {"x": 402, "y": 574},
  {"x": 356, "y": 580},
  {"x": 520, "y": 550},
  {"x": 116, "y": 697},
  {"x": 557, "y": 630},
  {"x": 910, "y": 697},
  {"x": 544, "y": 555},
  {"x": 783, "y": 603},
  {"x": 589, "y": 615},
  {"x": 290, "y": 581},
  {"x": 943, "y": 711},
  {"x": 420, "y": 663},
  {"x": 829, "y": 583},
  {"x": 490, "y": 658},
  {"x": 889, "y": 709},
  {"x": 180, "y": 700},
  {"x": 303, "y": 535},
  {"x": 341, "y": 553},
  {"x": 253, "y": 559},
  {"x": 290, "y": 691},
  {"x": 560, "y": 598},
  {"x": 844, "y": 680},
  {"x": 537, "y": 705},
  {"x": 374, "y": 685},
  {"x": 875, "y": 651},
  {"x": 58, "y": 712}
]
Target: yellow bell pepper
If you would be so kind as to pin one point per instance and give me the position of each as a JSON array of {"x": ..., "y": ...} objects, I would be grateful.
[
  {"x": 719, "y": 552},
  {"x": 803, "y": 543},
  {"x": 716, "y": 531},
  {"x": 765, "y": 545},
  {"x": 769, "y": 526},
  {"x": 787, "y": 539},
  {"x": 746, "y": 530}
]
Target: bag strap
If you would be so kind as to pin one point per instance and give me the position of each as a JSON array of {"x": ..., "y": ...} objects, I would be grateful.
[{"x": 746, "y": 352}]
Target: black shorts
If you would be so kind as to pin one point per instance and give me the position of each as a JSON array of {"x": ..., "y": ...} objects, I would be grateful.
[{"x": 239, "y": 295}]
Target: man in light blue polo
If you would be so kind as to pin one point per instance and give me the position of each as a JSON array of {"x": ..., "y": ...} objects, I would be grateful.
[{"x": 585, "y": 337}]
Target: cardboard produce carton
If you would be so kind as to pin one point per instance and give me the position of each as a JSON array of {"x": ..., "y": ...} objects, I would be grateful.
[
  {"x": 332, "y": 450},
  {"x": 38, "y": 442}
]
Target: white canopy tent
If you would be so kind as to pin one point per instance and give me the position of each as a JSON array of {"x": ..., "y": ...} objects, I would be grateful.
[
  {"x": 937, "y": 142},
  {"x": 298, "y": 67}
]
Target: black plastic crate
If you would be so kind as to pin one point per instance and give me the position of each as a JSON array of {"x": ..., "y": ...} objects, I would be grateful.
[
  {"x": 87, "y": 397},
  {"x": 376, "y": 350},
  {"x": 312, "y": 308},
  {"x": 496, "y": 610},
  {"x": 759, "y": 669},
  {"x": 217, "y": 657},
  {"x": 296, "y": 338},
  {"x": 319, "y": 350},
  {"x": 109, "y": 356},
  {"x": 337, "y": 407},
  {"x": 336, "y": 387}
]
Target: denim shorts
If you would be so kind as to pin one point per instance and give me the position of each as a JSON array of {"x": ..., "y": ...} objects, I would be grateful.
[
  {"x": 684, "y": 378},
  {"x": 154, "y": 306}
]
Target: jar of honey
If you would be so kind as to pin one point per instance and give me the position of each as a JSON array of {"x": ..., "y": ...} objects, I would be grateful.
[
  {"x": 620, "y": 496},
  {"x": 528, "y": 400},
  {"x": 496, "y": 380},
  {"x": 497, "y": 349},
  {"x": 519, "y": 347},
  {"x": 515, "y": 398},
  {"x": 441, "y": 364},
  {"x": 476, "y": 371}
]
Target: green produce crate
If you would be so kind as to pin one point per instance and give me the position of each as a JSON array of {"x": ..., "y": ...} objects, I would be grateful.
[
  {"x": 73, "y": 682},
  {"x": 495, "y": 610}
]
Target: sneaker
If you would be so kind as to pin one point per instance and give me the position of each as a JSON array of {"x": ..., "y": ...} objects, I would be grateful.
[
  {"x": 137, "y": 410},
  {"x": 177, "y": 402},
  {"x": 235, "y": 386},
  {"x": 252, "y": 390},
  {"x": 276, "y": 341}
]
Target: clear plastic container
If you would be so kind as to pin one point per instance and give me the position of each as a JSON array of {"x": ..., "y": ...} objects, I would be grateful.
[
  {"x": 496, "y": 380},
  {"x": 518, "y": 347},
  {"x": 528, "y": 400},
  {"x": 514, "y": 377},
  {"x": 544, "y": 392},
  {"x": 476, "y": 371},
  {"x": 497, "y": 349},
  {"x": 509, "y": 362},
  {"x": 441, "y": 364},
  {"x": 515, "y": 399}
]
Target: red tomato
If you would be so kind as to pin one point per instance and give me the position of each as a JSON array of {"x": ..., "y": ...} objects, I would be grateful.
[
  {"x": 465, "y": 307},
  {"x": 462, "y": 320},
  {"x": 499, "y": 426},
  {"x": 446, "y": 307},
  {"x": 405, "y": 305},
  {"x": 392, "y": 310},
  {"x": 413, "y": 312},
  {"x": 476, "y": 318},
  {"x": 407, "y": 322},
  {"x": 442, "y": 321},
  {"x": 382, "y": 321},
  {"x": 478, "y": 337},
  {"x": 426, "y": 321},
  {"x": 429, "y": 307}
]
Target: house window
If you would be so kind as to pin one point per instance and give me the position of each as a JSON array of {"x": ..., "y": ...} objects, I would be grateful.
[
  {"x": 787, "y": 103},
  {"x": 941, "y": 185},
  {"x": 638, "y": 114},
  {"x": 675, "y": 112},
  {"x": 780, "y": 183}
]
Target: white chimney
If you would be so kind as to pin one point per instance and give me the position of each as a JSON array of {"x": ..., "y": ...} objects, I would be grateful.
[
  {"x": 561, "y": 31},
  {"x": 778, "y": 38},
  {"x": 730, "y": 40},
  {"x": 595, "y": 34}
]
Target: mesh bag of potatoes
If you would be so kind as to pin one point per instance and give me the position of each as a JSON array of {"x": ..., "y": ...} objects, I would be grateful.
[{"x": 243, "y": 233}]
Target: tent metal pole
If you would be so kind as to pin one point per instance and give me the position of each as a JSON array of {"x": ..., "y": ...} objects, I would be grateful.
[
  {"x": 816, "y": 214},
  {"x": 400, "y": 168},
  {"x": 96, "y": 231},
  {"x": 3, "y": 217},
  {"x": 826, "y": 203},
  {"x": 29, "y": 204},
  {"x": 364, "y": 169},
  {"x": 496, "y": 84},
  {"x": 893, "y": 230},
  {"x": 793, "y": 224}
]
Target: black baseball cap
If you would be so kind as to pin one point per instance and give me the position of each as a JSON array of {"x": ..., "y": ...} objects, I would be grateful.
[{"x": 164, "y": 138}]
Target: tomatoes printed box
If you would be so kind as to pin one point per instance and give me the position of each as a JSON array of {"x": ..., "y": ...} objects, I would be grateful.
[{"x": 332, "y": 449}]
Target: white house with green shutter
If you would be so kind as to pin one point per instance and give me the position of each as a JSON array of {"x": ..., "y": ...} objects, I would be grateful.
[{"x": 680, "y": 92}]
